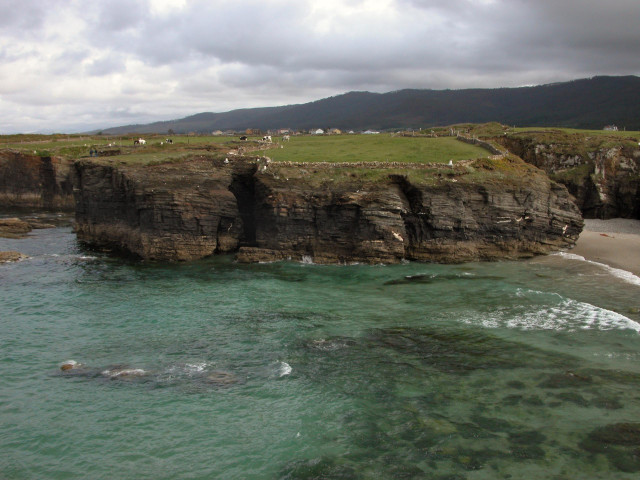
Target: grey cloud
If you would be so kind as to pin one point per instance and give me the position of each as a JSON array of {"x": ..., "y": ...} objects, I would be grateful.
[
  {"x": 106, "y": 65},
  {"x": 118, "y": 15},
  {"x": 22, "y": 16},
  {"x": 223, "y": 54}
]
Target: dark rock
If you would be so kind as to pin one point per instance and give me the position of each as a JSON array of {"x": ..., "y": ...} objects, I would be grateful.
[
  {"x": 160, "y": 212},
  {"x": 456, "y": 352},
  {"x": 277, "y": 212},
  {"x": 566, "y": 380},
  {"x": 318, "y": 469},
  {"x": 618, "y": 434},
  {"x": 600, "y": 172},
  {"x": 532, "y": 437},
  {"x": 492, "y": 424},
  {"x": 221, "y": 378},
  {"x": 619, "y": 442},
  {"x": 516, "y": 384},
  {"x": 572, "y": 397},
  {"x": 533, "y": 400},
  {"x": 608, "y": 403},
  {"x": 512, "y": 400},
  {"x": 476, "y": 459},
  {"x": 529, "y": 452},
  {"x": 32, "y": 181}
]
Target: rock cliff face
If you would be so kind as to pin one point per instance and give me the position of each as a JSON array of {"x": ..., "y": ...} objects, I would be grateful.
[
  {"x": 31, "y": 181},
  {"x": 163, "y": 212},
  {"x": 605, "y": 179},
  {"x": 326, "y": 213}
]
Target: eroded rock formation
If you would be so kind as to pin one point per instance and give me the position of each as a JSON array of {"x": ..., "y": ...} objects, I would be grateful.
[
  {"x": 326, "y": 213},
  {"x": 32, "y": 181},
  {"x": 603, "y": 174}
]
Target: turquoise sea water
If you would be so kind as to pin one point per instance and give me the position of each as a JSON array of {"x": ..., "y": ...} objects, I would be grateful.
[{"x": 504, "y": 370}]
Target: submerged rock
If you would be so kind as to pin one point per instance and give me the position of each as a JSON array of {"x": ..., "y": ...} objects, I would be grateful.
[
  {"x": 617, "y": 434},
  {"x": 221, "y": 378},
  {"x": 122, "y": 372},
  {"x": 318, "y": 468},
  {"x": 619, "y": 442},
  {"x": 330, "y": 344},
  {"x": 452, "y": 351},
  {"x": 531, "y": 437},
  {"x": 566, "y": 380}
]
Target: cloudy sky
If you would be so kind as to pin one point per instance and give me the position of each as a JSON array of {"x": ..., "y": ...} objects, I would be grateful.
[{"x": 75, "y": 65}]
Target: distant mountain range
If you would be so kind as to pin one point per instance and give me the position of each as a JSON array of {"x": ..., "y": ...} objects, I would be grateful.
[{"x": 586, "y": 103}]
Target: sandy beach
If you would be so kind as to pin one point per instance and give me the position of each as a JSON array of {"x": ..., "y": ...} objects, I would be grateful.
[{"x": 614, "y": 242}]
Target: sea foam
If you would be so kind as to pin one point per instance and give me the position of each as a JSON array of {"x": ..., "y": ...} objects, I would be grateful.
[
  {"x": 616, "y": 272},
  {"x": 284, "y": 369},
  {"x": 561, "y": 315}
]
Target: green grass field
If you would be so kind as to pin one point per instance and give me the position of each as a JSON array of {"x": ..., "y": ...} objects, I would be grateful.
[
  {"x": 311, "y": 148},
  {"x": 373, "y": 148},
  {"x": 303, "y": 148}
]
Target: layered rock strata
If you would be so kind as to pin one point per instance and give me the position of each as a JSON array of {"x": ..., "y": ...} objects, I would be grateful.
[
  {"x": 325, "y": 213},
  {"x": 605, "y": 179},
  {"x": 33, "y": 181}
]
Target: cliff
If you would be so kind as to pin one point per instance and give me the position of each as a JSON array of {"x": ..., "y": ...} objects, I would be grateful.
[
  {"x": 602, "y": 172},
  {"x": 328, "y": 213},
  {"x": 33, "y": 181}
]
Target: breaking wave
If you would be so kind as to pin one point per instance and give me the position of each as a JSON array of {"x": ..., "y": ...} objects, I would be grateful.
[
  {"x": 616, "y": 272},
  {"x": 562, "y": 315}
]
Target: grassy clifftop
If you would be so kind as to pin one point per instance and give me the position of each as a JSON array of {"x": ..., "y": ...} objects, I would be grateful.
[{"x": 303, "y": 148}]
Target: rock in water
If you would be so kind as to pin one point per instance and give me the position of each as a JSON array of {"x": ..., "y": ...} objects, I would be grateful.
[
  {"x": 124, "y": 373},
  {"x": 69, "y": 365},
  {"x": 11, "y": 256},
  {"x": 495, "y": 209},
  {"x": 13, "y": 227},
  {"x": 221, "y": 378}
]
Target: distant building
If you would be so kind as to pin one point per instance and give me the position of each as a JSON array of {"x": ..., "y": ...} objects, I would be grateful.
[
  {"x": 319, "y": 131},
  {"x": 334, "y": 131},
  {"x": 217, "y": 133},
  {"x": 370, "y": 132},
  {"x": 611, "y": 128}
]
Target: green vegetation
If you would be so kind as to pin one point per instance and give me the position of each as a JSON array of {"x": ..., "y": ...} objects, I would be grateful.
[
  {"x": 569, "y": 131},
  {"x": 574, "y": 176},
  {"x": 429, "y": 146},
  {"x": 373, "y": 148},
  {"x": 304, "y": 148},
  {"x": 578, "y": 142}
]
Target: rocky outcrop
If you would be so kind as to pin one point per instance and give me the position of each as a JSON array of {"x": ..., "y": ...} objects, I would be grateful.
[
  {"x": 32, "y": 181},
  {"x": 602, "y": 173},
  {"x": 11, "y": 256},
  {"x": 326, "y": 213},
  {"x": 13, "y": 228},
  {"x": 163, "y": 212}
]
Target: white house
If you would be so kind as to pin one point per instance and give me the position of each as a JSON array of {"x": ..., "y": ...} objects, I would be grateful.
[{"x": 317, "y": 132}]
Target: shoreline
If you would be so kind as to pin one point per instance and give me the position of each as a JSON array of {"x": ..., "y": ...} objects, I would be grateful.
[{"x": 614, "y": 242}]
